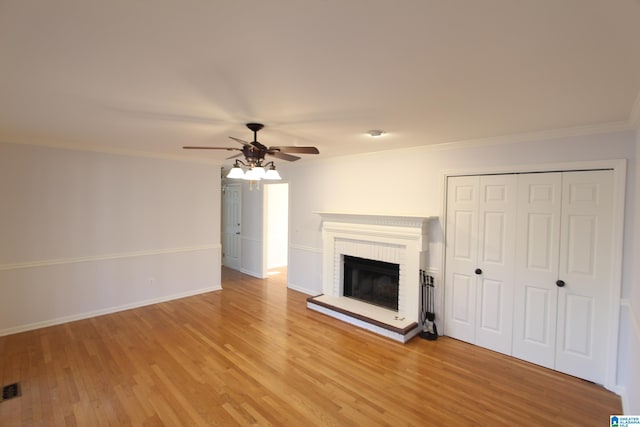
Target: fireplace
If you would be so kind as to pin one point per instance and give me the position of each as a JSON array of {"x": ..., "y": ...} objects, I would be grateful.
[
  {"x": 381, "y": 240},
  {"x": 371, "y": 281}
]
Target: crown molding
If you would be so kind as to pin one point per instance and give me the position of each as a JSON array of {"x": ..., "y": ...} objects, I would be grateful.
[{"x": 610, "y": 127}]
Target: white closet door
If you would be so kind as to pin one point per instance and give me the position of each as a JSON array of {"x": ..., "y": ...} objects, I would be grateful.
[
  {"x": 537, "y": 253},
  {"x": 461, "y": 255},
  {"x": 496, "y": 258},
  {"x": 528, "y": 267},
  {"x": 585, "y": 270},
  {"x": 480, "y": 253}
]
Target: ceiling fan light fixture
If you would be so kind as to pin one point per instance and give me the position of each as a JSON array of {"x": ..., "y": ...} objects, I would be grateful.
[
  {"x": 254, "y": 157},
  {"x": 249, "y": 176},
  {"x": 236, "y": 172},
  {"x": 254, "y": 174},
  {"x": 272, "y": 173},
  {"x": 259, "y": 172}
]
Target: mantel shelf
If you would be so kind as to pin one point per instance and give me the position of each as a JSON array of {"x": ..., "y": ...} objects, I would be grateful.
[{"x": 417, "y": 221}]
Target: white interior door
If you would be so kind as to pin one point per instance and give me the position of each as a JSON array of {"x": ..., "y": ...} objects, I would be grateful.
[
  {"x": 585, "y": 273},
  {"x": 480, "y": 251},
  {"x": 495, "y": 265},
  {"x": 231, "y": 230},
  {"x": 537, "y": 253},
  {"x": 461, "y": 255}
]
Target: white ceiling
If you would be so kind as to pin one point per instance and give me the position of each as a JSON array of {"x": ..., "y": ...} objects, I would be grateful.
[{"x": 149, "y": 76}]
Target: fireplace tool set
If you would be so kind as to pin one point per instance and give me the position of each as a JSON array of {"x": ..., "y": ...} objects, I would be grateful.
[{"x": 427, "y": 314}]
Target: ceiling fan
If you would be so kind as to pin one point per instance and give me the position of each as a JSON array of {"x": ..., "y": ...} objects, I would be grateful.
[{"x": 254, "y": 153}]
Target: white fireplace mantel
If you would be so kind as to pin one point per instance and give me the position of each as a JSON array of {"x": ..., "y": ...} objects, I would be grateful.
[
  {"x": 397, "y": 239},
  {"x": 375, "y": 219}
]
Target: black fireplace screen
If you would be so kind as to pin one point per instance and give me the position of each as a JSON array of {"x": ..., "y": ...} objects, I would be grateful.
[{"x": 375, "y": 282}]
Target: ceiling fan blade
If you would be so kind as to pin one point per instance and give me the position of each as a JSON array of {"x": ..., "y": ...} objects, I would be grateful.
[
  {"x": 240, "y": 141},
  {"x": 294, "y": 149},
  {"x": 211, "y": 148},
  {"x": 283, "y": 156},
  {"x": 234, "y": 156}
]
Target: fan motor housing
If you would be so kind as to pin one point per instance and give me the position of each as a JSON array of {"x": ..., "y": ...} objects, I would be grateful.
[{"x": 253, "y": 155}]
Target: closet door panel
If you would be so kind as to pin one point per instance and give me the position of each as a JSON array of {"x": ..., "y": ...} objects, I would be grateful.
[
  {"x": 541, "y": 241},
  {"x": 461, "y": 254},
  {"x": 585, "y": 269},
  {"x": 491, "y": 306},
  {"x": 463, "y": 245},
  {"x": 537, "y": 251},
  {"x": 537, "y": 327},
  {"x": 462, "y": 310},
  {"x": 582, "y": 235},
  {"x": 577, "y": 341},
  {"x": 496, "y": 247}
]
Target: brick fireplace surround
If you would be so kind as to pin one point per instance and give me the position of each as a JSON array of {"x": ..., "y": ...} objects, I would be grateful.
[{"x": 390, "y": 238}]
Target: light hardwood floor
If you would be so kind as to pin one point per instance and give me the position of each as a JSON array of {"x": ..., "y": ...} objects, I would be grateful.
[{"x": 252, "y": 354}]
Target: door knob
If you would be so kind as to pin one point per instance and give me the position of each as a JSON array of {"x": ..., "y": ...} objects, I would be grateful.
[
  {"x": 560, "y": 283},
  {"x": 478, "y": 271}
]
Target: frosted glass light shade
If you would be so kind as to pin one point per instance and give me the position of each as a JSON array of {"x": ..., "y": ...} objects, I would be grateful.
[
  {"x": 260, "y": 172},
  {"x": 236, "y": 173},
  {"x": 254, "y": 174},
  {"x": 272, "y": 174}
]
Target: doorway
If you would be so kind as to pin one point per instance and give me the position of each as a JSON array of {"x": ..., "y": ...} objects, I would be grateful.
[
  {"x": 255, "y": 227},
  {"x": 276, "y": 227}
]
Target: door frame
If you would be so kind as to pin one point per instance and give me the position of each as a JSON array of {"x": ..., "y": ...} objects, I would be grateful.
[{"x": 619, "y": 167}]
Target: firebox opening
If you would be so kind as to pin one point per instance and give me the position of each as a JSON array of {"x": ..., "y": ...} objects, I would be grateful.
[{"x": 371, "y": 281}]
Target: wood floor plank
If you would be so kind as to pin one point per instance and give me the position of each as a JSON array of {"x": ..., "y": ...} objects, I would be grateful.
[{"x": 253, "y": 354}]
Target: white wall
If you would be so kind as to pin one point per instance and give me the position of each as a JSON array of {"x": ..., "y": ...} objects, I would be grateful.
[
  {"x": 86, "y": 233},
  {"x": 410, "y": 181}
]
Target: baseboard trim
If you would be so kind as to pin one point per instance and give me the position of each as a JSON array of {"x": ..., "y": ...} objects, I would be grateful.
[
  {"x": 110, "y": 310},
  {"x": 301, "y": 289},
  {"x": 252, "y": 273},
  {"x": 622, "y": 392}
]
